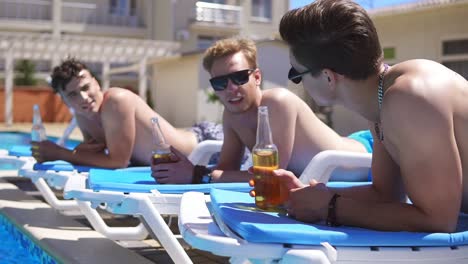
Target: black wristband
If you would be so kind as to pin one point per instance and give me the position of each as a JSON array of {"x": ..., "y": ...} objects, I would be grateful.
[
  {"x": 331, "y": 218},
  {"x": 198, "y": 173}
]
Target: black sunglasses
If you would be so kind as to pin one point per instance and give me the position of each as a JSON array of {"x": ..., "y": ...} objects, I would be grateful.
[
  {"x": 220, "y": 83},
  {"x": 295, "y": 76}
]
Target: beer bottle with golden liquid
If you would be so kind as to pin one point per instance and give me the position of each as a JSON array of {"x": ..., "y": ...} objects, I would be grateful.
[
  {"x": 268, "y": 195},
  {"x": 162, "y": 151}
]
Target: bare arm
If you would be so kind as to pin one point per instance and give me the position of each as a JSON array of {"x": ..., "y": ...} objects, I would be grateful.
[{"x": 118, "y": 122}]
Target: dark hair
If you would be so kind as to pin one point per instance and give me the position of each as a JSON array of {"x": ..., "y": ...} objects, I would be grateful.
[
  {"x": 62, "y": 74},
  {"x": 334, "y": 34},
  {"x": 229, "y": 46}
]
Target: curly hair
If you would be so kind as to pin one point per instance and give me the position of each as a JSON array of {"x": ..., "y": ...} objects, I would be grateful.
[{"x": 67, "y": 70}]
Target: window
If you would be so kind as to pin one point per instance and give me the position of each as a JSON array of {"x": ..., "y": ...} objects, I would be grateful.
[
  {"x": 261, "y": 9},
  {"x": 205, "y": 42},
  {"x": 389, "y": 53},
  {"x": 123, "y": 7},
  {"x": 454, "y": 47},
  {"x": 455, "y": 56}
]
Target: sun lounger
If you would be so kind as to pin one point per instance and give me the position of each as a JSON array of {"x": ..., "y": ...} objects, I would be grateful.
[
  {"x": 56, "y": 174},
  {"x": 245, "y": 234},
  {"x": 134, "y": 193}
]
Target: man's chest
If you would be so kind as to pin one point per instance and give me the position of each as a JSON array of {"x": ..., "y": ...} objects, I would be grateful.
[{"x": 247, "y": 136}]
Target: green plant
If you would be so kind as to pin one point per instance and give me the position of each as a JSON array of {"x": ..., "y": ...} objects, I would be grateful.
[
  {"x": 212, "y": 97},
  {"x": 25, "y": 70}
]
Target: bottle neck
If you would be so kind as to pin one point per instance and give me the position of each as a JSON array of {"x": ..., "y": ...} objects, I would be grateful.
[
  {"x": 264, "y": 136},
  {"x": 37, "y": 120},
  {"x": 158, "y": 137}
]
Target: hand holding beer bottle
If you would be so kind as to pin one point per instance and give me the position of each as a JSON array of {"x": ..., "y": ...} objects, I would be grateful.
[{"x": 268, "y": 194}]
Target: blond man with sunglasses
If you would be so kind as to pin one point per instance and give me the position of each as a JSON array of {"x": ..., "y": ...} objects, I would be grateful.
[{"x": 297, "y": 132}]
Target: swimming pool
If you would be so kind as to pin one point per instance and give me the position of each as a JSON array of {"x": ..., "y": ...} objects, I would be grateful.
[
  {"x": 17, "y": 247},
  {"x": 10, "y": 139}
]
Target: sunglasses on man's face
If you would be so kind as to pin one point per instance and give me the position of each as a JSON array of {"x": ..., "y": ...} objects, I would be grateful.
[
  {"x": 295, "y": 76},
  {"x": 220, "y": 83}
]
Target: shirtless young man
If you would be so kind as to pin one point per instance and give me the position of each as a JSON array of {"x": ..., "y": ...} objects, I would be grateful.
[
  {"x": 296, "y": 130},
  {"x": 417, "y": 111},
  {"x": 118, "y": 120}
]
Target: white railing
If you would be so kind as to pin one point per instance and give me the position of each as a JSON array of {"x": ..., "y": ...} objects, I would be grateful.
[
  {"x": 76, "y": 12},
  {"x": 72, "y": 12},
  {"x": 26, "y": 9},
  {"x": 218, "y": 13}
]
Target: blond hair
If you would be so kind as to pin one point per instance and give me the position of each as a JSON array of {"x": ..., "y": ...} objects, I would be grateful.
[{"x": 229, "y": 46}]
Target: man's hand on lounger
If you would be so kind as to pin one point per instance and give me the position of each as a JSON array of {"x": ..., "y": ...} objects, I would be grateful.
[
  {"x": 45, "y": 150},
  {"x": 310, "y": 203},
  {"x": 179, "y": 171}
]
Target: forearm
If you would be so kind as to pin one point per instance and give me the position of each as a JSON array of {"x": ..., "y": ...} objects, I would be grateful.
[
  {"x": 387, "y": 216},
  {"x": 96, "y": 159},
  {"x": 230, "y": 176}
]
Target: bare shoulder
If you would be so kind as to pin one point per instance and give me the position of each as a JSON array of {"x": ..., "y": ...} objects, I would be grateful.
[
  {"x": 421, "y": 81},
  {"x": 279, "y": 96},
  {"x": 116, "y": 93},
  {"x": 119, "y": 99}
]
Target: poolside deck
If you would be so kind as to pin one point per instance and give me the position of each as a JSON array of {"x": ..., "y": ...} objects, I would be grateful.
[{"x": 70, "y": 236}]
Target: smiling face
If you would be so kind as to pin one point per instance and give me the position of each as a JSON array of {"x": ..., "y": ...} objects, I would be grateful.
[
  {"x": 236, "y": 98},
  {"x": 83, "y": 94},
  {"x": 316, "y": 86}
]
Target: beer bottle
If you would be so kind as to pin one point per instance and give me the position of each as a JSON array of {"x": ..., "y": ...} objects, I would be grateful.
[
  {"x": 38, "y": 132},
  {"x": 265, "y": 160},
  {"x": 162, "y": 151}
]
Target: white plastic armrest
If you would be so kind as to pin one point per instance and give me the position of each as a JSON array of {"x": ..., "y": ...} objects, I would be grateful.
[
  {"x": 322, "y": 165},
  {"x": 202, "y": 153}
]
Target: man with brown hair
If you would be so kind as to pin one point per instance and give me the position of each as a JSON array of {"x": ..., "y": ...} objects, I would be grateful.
[
  {"x": 419, "y": 127},
  {"x": 297, "y": 132},
  {"x": 117, "y": 120}
]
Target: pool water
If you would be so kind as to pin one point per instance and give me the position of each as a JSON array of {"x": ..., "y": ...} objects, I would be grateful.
[{"x": 17, "y": 247}]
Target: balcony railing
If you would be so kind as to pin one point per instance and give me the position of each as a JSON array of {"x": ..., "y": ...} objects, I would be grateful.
[
  {"x": 26, "y": 9},
  {"x": 229, "y": 15},
  {"x": 72, "y": 12},
  {"x": 75, "y": 12}
]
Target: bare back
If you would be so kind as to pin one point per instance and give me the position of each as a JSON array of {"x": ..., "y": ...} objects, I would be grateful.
[
  {"x": 429, "y": 145},
  {"x": 124, "y": 126}
]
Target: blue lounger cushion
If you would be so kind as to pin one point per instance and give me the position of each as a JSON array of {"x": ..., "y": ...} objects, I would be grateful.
[
  {"x": 138, "y": 179},
  {"x": 60, "y": 165},
  {"x": 237, "y": 211}
]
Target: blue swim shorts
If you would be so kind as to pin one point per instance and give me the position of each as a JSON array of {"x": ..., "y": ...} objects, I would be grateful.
[{"x": 365, "y": 138}]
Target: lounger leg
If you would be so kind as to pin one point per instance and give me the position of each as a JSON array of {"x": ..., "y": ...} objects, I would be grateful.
[
  {"x": 50, "y": 197},
  {"x": 143, "y": 206},
  {"x": 138, "y": 232}
]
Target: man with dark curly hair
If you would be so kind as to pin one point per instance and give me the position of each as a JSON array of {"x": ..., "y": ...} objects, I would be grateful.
[{"x": 117, "y": 120}]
